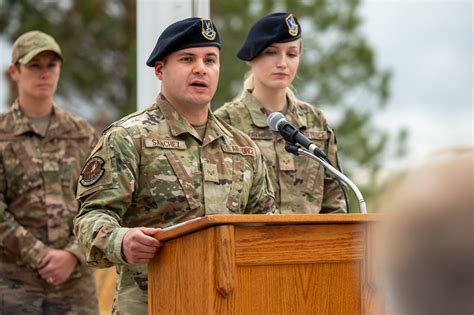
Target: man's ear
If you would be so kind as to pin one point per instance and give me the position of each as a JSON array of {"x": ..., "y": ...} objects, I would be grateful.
[{"x": 159, "y": 69}]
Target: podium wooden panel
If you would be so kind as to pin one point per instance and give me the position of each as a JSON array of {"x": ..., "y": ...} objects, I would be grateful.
[{"x": 265, "y": 264}]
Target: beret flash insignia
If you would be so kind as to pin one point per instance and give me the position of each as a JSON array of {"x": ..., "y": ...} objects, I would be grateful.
[
  {"x": 292, "y": 25},
  {"x": 208, "y": 30}
]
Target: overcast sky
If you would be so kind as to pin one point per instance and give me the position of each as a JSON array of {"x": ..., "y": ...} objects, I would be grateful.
[{"x": 428, "y": 45}]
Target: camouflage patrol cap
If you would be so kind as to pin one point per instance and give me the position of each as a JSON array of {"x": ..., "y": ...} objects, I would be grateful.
[
  {"x": 30, "y": 44},
  {"x": 187, "y": 33},
  {"x": 273, "y": 28}
]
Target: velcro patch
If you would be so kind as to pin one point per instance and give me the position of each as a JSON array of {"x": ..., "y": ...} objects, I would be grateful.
[
  {"x": 316, "y": 134},
  {"x": 287, "y": 163},
  {"x": 92, "y": 171},
  {"x": 210, "y": 173},
  {"x": 237, "y": 149},
  {"x": 261, "y": 135},
  {"x": 165, "y": 143}
]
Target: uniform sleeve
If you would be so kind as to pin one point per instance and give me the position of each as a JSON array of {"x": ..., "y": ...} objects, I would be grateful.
[
  {"x": 73, "y": 245},
  {"x": 105, "y": 192},
  {"x": 92, "y": 142},
  {"x": 262, "y": 196},
  {"x": 14, "y": 238},
  {"x": 333, "y": 198}
]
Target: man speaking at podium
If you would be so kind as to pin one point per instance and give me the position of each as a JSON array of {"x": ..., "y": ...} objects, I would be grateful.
[{"x": 170, "y": 163}]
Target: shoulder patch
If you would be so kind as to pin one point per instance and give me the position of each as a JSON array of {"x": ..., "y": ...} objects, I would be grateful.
[
  {"x": 250, "y": 151},
  {"x": 92, "y": 171}
]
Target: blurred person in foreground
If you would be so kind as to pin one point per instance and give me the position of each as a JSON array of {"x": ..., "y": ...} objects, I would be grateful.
[
  {"x": 273, "y": 51},
  {"x": 428, "y": 248},
  {"x": 42, "y": 149},
  {"x": 169, "y": 163}
]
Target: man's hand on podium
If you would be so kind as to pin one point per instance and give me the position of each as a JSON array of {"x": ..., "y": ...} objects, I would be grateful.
[{"x": 139, "y": 246}]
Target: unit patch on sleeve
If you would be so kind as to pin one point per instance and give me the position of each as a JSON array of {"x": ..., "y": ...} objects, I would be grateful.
[{"x": 92, "y": 171}]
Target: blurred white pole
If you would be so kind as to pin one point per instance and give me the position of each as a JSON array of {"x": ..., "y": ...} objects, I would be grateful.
[{"x": 153, "y": 16}]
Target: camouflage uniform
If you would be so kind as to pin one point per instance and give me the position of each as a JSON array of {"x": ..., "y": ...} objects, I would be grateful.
[
  {"x": 149, "y": 169},
  {"x": 38, "y": 176},
  {"x": 301, "y": 184}
]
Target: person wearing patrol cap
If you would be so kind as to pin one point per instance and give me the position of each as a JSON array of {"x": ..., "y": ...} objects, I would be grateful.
[
  {"x": 273, "y": 49},
  {"x": 167, "y": 164},
  {"x": 42, "y": 147}
]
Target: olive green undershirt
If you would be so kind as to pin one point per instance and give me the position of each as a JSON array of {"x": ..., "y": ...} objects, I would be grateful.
[
  {"x": 40, "y": 124},
  {"x": 201, "y": 130}
]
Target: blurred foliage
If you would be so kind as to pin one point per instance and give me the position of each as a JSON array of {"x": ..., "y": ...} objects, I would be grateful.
[
  {"x": 98, "y": 41},
  {"x": 338, "y": 72}
]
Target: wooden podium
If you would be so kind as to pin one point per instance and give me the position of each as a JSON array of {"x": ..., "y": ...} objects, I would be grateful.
[{"x": 265, "y": 264}]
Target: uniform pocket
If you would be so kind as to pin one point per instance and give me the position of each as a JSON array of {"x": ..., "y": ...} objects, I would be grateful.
[
  {"x": 313, "y": 172},
  {"x": 313, "y": 177},
  {"x": 237, "y": 191},
  {"x": 22, "y": 168},
  {"x": 169, "y": 185},
  {"x": 185, "y": 180},
  {"x": 69, "y": 174}
]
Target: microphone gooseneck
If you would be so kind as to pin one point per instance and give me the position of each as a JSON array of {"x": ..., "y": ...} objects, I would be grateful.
[{"x": 277, "y": 122}]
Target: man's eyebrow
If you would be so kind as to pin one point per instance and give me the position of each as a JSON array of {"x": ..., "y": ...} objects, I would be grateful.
[{"x": 185, "y": 54}]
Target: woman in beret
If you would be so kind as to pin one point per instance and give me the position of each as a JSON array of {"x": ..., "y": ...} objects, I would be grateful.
[{"x": 273, "y": 50}]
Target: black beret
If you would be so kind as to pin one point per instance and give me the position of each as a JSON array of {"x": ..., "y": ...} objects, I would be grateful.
[
  {"x": 187, "y": 33},
  {"x": 273, "y": 28}
]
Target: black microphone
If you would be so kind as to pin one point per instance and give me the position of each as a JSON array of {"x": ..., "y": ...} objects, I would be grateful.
[{"x": 291, "y": 134}]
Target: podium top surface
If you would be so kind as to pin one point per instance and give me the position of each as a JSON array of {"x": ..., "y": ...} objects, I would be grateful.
[{"x": 200, "y": 223}]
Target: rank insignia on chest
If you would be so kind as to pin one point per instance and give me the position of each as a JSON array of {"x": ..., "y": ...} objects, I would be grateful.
[
  {"x": 287, "y": 163},
  {"x": 92, "y": 171},
  {"x": 210, "y": 173}
]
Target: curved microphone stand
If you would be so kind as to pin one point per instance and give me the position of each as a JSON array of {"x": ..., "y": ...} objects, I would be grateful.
[{"x": 335, "y": 172}]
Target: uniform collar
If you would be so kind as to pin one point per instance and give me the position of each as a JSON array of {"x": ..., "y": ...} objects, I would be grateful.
[
  {"x": 20, "y": 122},
  {"x": 58, "y": 125},
  {"x": 179, "y": 125},
  {"x": 259, "y": 115}
]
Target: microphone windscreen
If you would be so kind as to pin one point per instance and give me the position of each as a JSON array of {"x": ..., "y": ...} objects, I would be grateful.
[{"x": 274, "y": 119}]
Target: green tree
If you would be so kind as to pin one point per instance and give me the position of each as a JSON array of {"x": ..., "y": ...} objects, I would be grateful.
[
  {"x": 98, "y": 41},
  {"x": 337, "y": 70}
]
